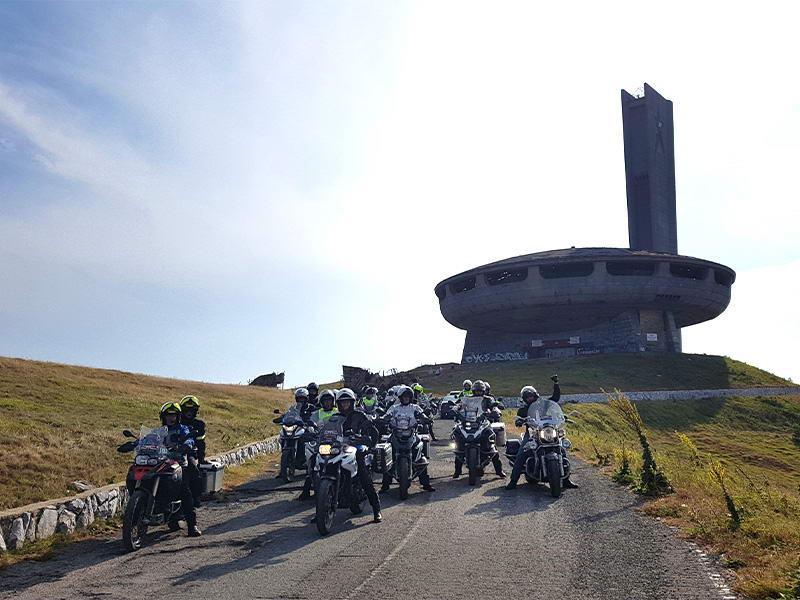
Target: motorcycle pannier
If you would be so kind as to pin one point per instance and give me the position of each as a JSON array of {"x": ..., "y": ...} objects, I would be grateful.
[
  {"x": 211, "y": 477},
  {"x": 500, "y": 431},
  {"x": 383, "y": 457},
  {"x": 512, "y": 447}
]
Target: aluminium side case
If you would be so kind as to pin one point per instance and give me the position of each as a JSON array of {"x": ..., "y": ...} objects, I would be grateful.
[
  {"x": 500, "y": 433},
  {"x": 211, "y": 476}
]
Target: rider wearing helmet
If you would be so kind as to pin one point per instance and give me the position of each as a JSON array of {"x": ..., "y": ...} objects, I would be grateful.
[
  {"x": 418, "y": 390},
  {"x": 190, "y": 406},
  {"x": 180, "y": 441},
  {"x": 467, "y": 391},
  {"x": 356, "y": 423},
  {"x": 369, "y": 402},
  {"x": 302, "y": 408},
  {"x": 529, "y": 395},
  {"x": 313, "y": 392},
  {"x": 478, "y": 389},
  {"x": 318, "y": 418},
  {"x": 407, "y": 408}
]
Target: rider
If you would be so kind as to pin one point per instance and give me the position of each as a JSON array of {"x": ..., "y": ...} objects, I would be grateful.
[
  {"x": 357, "y": 423},
  {"x": 181, "y": 441},
  {"x": 529, "y": 396},
  {"x": 313, "y": 392},
  {"x": 190, "y": 406},
  {"x": 369, "y": 402},
  {"x": 318, "y": 418},
  {"x": 491, "y": 405},
  {"x": 476, "y": 401},
  {"x": 302, "y": 408},
  {"x": 467, "y": 391},
  {"x": 414, "y": 412}
]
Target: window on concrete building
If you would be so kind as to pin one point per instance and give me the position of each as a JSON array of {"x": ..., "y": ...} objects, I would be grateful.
[
  {"x": 506, "y": 276},
  {"x": 688, "y": 271},
  {"x": 462, "y": 285},
  {"x": 723, "y": 277},
  {"x": 642, "y": 269},
  {"x": 583, "y": 269}
]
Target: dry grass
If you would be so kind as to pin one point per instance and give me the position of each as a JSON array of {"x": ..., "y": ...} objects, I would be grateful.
[
  {"x": 746, "y": 443},
  {"x": 59, "y": 423}
]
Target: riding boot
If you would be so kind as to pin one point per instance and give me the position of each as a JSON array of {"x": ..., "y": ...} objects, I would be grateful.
[
  {"x": 191, "y": 525},
  {"x": 498, "y": 466},
  {"x": 457, "y": 472},
  {"x": 387, "y": 482},
  {"x": 425, "y": 481},
  {"x": 569, "y": 485}
]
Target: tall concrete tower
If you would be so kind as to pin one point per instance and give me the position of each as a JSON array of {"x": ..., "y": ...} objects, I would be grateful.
[{"x": 650, "y": 171}]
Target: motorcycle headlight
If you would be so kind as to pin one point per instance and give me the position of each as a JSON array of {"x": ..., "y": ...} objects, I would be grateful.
[
  {"x": 327, "y": 449},
  {"x": 566, "y": 444},
  {"x": 289, "y": 428},
  {"x": 548, "y": 435},
  {"x": 140, "y": 459}
]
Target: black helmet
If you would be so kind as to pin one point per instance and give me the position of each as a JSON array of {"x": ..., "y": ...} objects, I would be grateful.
[
  {"x": 478, "y": 388},
  {"x": 529, "y": 394}
]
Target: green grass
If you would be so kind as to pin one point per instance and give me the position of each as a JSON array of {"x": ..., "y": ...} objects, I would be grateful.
[
  {"x": 752, "y": 440},
  {"x": 590, "y": 374},
  {"x": 59, "y": 423}
]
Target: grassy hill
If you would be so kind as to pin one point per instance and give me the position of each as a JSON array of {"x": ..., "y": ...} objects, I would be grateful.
[
  {"x": 589, "y": 374},
  {"x": 59, "y": 423},
  {"x": 757, "y": 443}
]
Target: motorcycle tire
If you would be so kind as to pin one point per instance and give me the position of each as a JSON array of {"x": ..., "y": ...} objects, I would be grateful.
[
  {"x": 133, "y": 530},
  {"x": 472, "y": 465},
  {"x": 326, "y": 506},
  {"x": 287, "y": 466},
  {"x": 358, "y": 500},
  {"x": 554, "y": 476},
  {"x": 404, "y": 476}
]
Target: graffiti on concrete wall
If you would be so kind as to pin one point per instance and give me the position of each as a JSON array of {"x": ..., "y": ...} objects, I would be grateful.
[{"x": 495, "y": 357}]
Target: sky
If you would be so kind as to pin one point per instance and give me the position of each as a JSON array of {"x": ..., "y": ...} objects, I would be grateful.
[{"x": 213, "y": 191}]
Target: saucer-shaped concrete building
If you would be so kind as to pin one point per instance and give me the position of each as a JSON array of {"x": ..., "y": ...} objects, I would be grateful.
[{"x": 597, "y": 300}]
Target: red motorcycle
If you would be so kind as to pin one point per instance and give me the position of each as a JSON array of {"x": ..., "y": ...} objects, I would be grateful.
[{"x": 154, "y": 484}]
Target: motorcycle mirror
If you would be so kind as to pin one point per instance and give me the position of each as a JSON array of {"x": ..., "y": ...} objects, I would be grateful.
[
  {"x": 276, "y": 411},
  {"x": 126, "y": 447},
  {"x": 128, "y": 433}
]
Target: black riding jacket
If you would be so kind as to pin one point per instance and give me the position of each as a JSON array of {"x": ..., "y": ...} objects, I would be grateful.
[
  {"x": 357, "y": 423},
  {"x": 197, "y": 427}
]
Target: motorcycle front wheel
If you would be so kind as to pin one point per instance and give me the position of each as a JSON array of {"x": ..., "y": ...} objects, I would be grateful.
[
  {"x": 472, "y": 465},
  {"x": 403, "y": 476},
  {"x": 326, "y": 506},
  {"x": 287, "y": 464},
  {"x": 358, "y": 499},
  {"x": 133, "y": 526},
  {"x": 554, "y": 476}
]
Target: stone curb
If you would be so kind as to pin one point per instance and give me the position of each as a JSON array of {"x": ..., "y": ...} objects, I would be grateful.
[
  {"x": 42, "y": 520},
  {"x": 665, "y": 395}
]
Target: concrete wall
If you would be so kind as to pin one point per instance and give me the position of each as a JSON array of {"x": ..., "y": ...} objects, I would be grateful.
[{"x": 19, "y": 526}]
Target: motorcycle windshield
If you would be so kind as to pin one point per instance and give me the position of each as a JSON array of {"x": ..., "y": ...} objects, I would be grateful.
[
  {"x": 472, "y": 408},
  {"x": 332, "y": 430},
  {"x": 546, "y": 412},
  {"x": 153, "y": 442}
]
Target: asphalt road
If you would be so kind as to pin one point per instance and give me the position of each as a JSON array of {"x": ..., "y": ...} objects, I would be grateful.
[{"x": 457, "y": 542}]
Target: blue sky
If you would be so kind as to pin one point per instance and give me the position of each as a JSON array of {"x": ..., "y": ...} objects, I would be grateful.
[{"x": 216, "y": 190}]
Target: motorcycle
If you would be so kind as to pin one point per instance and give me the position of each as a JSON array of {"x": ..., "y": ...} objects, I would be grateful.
[
  {"x": 474, "y": 438},
  {"x": 405, "y": 455},
  {"x": 154, "y": 484},
  {"x": 546, "y": 446},
  {"x": 336, "y": 472},
  {"x": 292, "y": 437}
]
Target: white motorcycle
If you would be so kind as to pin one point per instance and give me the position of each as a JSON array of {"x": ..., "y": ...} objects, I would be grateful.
[{"x": 336, "y": 473}]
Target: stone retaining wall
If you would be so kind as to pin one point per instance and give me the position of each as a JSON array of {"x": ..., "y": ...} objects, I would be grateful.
[
  {"x": 40, "y": 521},
  {"x": 661, "y": 395}
]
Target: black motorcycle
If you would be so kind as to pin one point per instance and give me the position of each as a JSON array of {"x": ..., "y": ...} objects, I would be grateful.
[
  {"x": 405, "y": 455},
  {"x": 293, "y": 436},
  {"x": 154, "y": 483}
]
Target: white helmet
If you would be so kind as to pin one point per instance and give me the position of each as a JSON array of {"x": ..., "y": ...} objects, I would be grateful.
[
  {"x": 345, "y": 394},
  {"x": 301, "y": 395},
  {"x": 488, "y": 387},
  {"x": 529, "y": 391},
  {"x": 467, "y": 385},
  {"x": 403, "y": 391}
]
